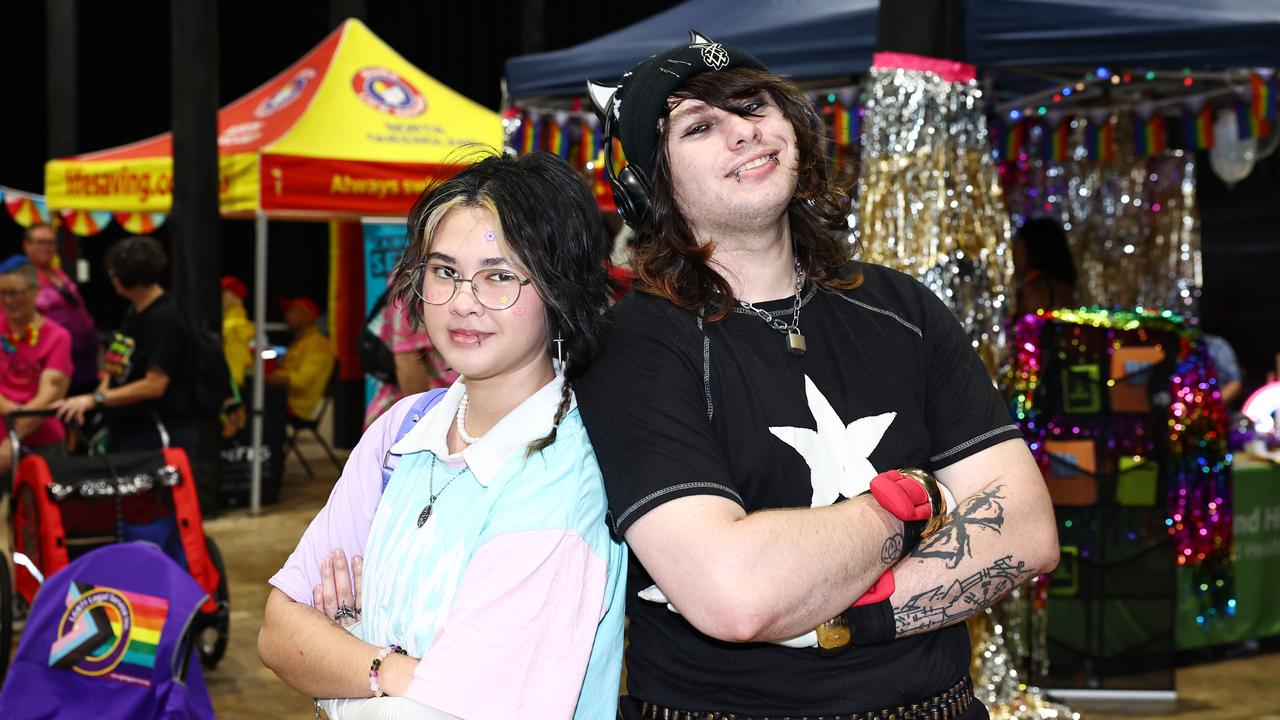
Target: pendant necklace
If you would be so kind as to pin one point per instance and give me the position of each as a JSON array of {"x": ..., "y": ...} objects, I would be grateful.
[
  {"x": 795, "y": 340},
  {"x": 431, "y": 490}
]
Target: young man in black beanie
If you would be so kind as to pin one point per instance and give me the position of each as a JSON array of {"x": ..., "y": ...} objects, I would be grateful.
[{"x": 756, "y": 387}]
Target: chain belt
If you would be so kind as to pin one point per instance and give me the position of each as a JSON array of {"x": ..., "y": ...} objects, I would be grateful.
[{"x": 946, "y": 705}]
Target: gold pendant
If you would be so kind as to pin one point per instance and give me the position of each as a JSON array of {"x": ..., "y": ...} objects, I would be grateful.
[{"x": 795, "y": 343}]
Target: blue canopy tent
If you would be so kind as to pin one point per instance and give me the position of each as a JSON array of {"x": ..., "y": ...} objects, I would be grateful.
[
  {"x": 808, "y": 39},
  {"x": 1159, "y": 34},
  {"x": 799, "y": 38}
]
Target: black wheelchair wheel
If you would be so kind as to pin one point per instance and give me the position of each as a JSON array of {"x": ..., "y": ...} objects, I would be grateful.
[
  {"x": 7, "y": 601},
  {"x": 213, "y": 630}
]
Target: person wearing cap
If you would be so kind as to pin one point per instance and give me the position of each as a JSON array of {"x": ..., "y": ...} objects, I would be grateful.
[
  {"x": 308, "y": 362},
  {"x": 760, "y": 382},
  {"x": 238, "y": 330}
]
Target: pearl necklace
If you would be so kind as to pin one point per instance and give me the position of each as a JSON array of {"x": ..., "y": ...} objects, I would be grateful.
[{"x": 466, "y": 437}]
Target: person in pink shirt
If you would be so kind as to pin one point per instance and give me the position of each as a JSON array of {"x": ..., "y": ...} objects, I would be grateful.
[
  {"x": 60, "y": 301},
  {"x": 418, "y": 366},
  {"x": 35, "y": 361}
]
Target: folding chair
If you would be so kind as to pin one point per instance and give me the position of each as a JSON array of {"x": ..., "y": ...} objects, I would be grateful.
[{"x": 295, "y": 425}]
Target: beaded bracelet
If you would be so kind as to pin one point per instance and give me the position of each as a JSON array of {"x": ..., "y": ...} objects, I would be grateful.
[{"x": 377, "y": 663}]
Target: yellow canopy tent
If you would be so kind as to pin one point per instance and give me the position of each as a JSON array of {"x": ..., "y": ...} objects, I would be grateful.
[{"x": 351, "y": 129}]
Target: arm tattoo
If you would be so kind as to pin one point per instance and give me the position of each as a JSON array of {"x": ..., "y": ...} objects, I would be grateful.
[
  {"x": 952, "y": 542},
  {"x": 891, "y": 550},
  {"x": 948, "y": 604}
]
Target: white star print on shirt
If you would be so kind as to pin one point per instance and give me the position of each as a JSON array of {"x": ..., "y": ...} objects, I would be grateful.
[
  {"x": 836, "y": 453},
  {"x": 837, "y": 457}
]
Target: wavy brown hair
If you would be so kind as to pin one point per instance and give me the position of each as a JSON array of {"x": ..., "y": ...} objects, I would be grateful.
[{"x": 668, "y": 259}]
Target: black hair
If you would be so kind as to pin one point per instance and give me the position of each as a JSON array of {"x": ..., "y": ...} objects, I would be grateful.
[
  {"x": 671, "y": 262},
  {"x": 1047, "y": 250},
  {"x": 137, "y": 260},
  {"x": 551, "y": 225}
]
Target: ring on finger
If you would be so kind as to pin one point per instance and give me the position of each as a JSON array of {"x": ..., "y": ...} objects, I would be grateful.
[{"x": 345, "y": 612}]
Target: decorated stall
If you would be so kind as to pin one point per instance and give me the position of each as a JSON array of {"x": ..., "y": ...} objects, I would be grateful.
[{"x": 351, "y": 129}]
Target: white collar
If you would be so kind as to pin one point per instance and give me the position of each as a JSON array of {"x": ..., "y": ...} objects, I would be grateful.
[{"x": 529, "y": 421}]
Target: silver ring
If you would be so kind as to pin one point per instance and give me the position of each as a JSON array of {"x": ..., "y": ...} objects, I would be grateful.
[{"x": 346, "y": 612}]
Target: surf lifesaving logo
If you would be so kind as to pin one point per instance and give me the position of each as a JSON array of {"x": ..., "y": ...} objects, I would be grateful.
[
  {"x": 109, "y": 632},
  {"x": 285, "y": 96},
  {"x": 383, "y": 89}
]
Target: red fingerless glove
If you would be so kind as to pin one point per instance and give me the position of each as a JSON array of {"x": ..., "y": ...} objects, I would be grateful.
[
  {"x": 881, "y": 590},
  {"x": 902, "y": 496}
]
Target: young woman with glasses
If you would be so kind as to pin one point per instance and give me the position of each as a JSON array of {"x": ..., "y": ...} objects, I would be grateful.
[{"x": 486, "y": 583}]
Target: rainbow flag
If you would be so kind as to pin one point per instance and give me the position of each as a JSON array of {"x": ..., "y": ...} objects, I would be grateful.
[
  {"x": 619, "y": 159},
  {"x": 557, "y": 139},
  {"x": 1263, "y": 106},
  {"x": 1197, "y": 129},
  {"x": 1100, "y": 140},
  {"x": 588, "y": 146},
  {"x": 1011, "y": 143},
  {"x": 1149, "y": 136},
  {"x": 1057, "y": 141},
  {"x": 527, "y": 133},
  {"x": 841, "y": 125},
  {"x": 1248, "y": 125},
  {"x": 111, "y": 632}
]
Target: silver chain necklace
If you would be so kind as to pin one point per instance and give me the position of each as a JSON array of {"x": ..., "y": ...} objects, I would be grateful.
[
  {"x": 795, "y": 340},
  {"x": 431, "y": 490}
]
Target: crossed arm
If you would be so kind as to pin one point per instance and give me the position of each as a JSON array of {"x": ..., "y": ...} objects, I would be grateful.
[{"x": 777, "y": 574}]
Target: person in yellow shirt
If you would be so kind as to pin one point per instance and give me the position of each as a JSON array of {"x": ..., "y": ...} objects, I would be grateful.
[
  {"x": 309, "y": 360},
  {"x": 237, "y": 329}
]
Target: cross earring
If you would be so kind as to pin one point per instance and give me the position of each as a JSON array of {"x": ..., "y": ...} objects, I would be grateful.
[{"x": 559, "y": 341}]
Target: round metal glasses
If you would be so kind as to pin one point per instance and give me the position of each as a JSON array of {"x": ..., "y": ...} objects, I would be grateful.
[{"x": 495, "y": 288}]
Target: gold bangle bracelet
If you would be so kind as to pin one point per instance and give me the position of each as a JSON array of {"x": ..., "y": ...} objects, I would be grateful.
[{"x": 937, "y": 501}]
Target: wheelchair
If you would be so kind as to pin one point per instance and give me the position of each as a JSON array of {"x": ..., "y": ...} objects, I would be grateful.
[{"x": 64, "y": 507}]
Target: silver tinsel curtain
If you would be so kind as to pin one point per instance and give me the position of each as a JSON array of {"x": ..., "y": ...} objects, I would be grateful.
[
  {"x": 929, "y": 198},
  {"x": 930, "y": 203},
  {"x": 1132, "y": 221}
]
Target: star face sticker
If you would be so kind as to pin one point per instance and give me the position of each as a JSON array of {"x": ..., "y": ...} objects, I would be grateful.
[{"x": 836, "y": 453}]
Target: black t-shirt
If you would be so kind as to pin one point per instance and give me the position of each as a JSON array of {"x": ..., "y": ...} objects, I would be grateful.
[
  {"x": 156, "y": 337},
  {"x": 889, "y": 380}
]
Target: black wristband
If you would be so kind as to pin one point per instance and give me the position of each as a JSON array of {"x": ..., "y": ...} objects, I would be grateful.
[
  {"x": 912, "y": 534},
  {"x": 871, "y": 624}
]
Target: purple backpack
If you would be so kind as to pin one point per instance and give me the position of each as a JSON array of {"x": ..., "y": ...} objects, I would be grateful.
[
  {"x": 109, "y": 637},
  {"x": 421, "y": 404}
]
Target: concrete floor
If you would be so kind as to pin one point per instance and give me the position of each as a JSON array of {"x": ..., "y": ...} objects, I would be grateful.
[{"x": 1238, "y": 689}]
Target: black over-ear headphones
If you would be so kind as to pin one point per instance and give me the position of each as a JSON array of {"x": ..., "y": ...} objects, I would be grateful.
[{"x": 630, "y": 186}]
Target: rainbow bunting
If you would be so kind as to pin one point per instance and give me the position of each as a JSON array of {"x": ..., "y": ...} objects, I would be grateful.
[
  {"x": 1197, "y": 129},
  {"x": 26, "y": 210},
  {"x": 85, "y": 222},
  {"x": 1262, "y": 107},
  {"x": 140, "y": 223}
]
